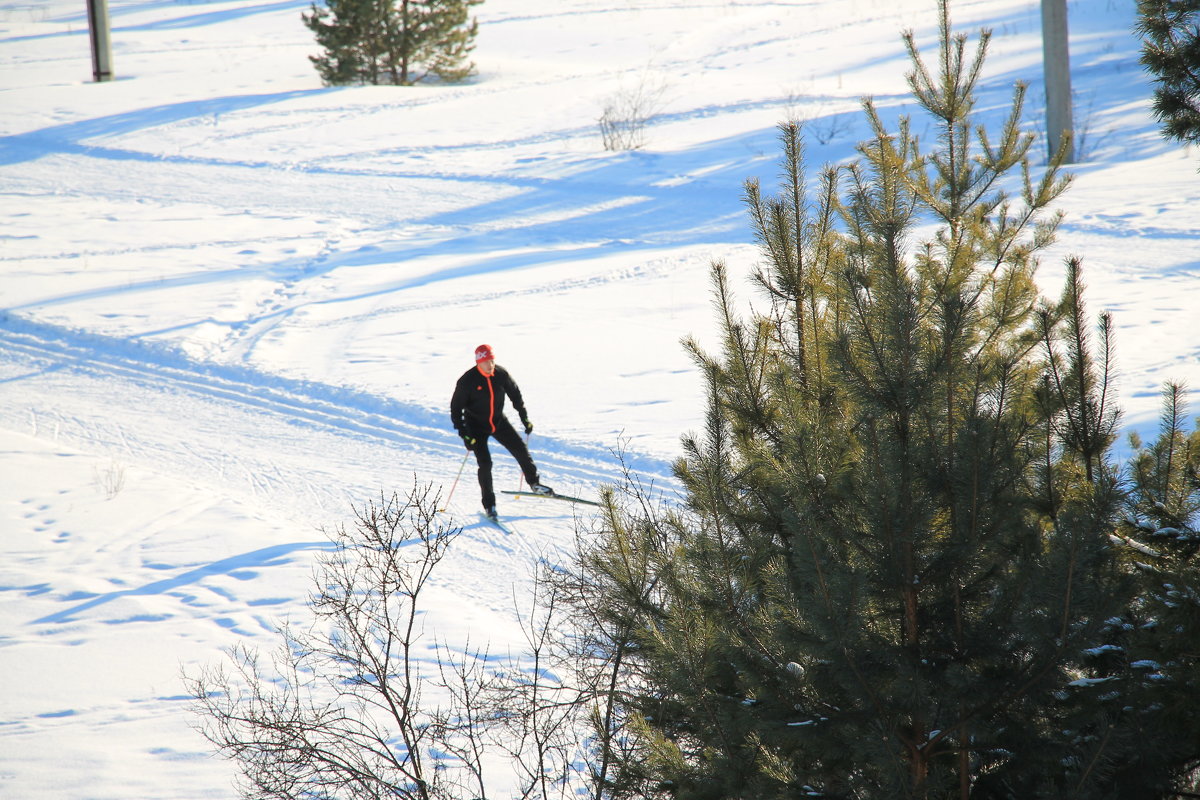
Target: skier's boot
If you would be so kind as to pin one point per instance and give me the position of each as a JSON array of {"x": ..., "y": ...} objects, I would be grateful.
[
  {"x": 540, "y": 488},
  {"x": 490, "y": 513}
]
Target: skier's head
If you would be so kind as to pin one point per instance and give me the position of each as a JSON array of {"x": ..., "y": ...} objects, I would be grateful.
[{"x": 485, "y": 359}]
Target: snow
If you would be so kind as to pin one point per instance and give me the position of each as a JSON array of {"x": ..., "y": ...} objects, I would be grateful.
[
  {"x": 1086, "y": 682},
  {"x": 233, "y": 304}
]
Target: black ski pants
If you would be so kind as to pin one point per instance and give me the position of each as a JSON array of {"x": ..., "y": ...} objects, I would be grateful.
[{"x": 506, "y": 435}]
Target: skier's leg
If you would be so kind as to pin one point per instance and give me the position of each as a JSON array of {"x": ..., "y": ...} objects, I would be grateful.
[
  {"x": 508, "y": 436},
  {"x": 483, "y": 457}
]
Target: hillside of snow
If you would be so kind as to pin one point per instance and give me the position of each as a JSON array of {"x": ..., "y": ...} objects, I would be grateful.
[{"x": 233, "y": 304}]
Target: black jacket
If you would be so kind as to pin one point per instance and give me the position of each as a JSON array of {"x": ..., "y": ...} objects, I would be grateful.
[{"x": 478, "y": 401}]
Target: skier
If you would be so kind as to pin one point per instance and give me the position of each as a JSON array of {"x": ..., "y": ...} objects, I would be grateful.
[{"x": 477, "y": 411}]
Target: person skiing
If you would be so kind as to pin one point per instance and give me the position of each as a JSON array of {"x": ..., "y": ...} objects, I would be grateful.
[{"x": 477, "y": 411}]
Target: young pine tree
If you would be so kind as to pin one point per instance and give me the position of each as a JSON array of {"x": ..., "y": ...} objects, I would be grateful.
[
  {"x": 398, "y": 42},
  {"x": 1160, "y": 649},
  {"x": 348, "y": 30},
  {"x": 895, "y": 556},
  {"x": 1170, "y": 31}
]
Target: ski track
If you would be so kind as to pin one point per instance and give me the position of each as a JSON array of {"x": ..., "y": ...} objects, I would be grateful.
[{"x": 32, "y": 351}]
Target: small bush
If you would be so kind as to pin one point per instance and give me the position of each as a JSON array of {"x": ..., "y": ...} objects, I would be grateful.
[{"x": 626, "y": 112}]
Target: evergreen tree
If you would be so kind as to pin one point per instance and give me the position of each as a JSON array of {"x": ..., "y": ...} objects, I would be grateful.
[
  {"x": 393, "y": 41},
  {"x": 1170, "y": 31},
  {"x": 894, "y": 575},
  {"x": 1159, "y": 650},
  {"x": 348, "y": 32}
]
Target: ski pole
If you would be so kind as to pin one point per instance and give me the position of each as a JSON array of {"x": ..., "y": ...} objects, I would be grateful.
[{"x": 454, "y": 485}]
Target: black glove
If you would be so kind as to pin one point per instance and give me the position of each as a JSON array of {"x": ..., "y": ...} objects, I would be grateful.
[
  {"x": 468, "y": 440},
  {"x": 528, "y": 425}
]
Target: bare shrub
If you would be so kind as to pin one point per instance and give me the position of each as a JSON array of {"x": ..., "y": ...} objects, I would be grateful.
[
  {"x": 110, "y": 479},
  {"x": 626, "y": 112},
  {"x": 357, "y": 705},
  {"x": 339, "y": 711}
]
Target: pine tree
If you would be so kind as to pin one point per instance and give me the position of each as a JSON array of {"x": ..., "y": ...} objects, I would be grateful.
[
  {"x": 894, "y": 576},
  {"x": 1170, "y": 31},
  {"x": 398, "y": 42},
  {"x": 348, "y": 31},
  {"x": 1159, "y": 649}
]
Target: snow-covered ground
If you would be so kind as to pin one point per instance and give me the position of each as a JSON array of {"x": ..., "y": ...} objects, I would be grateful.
[{"x": 233, "y": 303}]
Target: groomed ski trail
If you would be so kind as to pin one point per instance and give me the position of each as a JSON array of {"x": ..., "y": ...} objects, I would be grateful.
[{"x": 293, "y": 436}]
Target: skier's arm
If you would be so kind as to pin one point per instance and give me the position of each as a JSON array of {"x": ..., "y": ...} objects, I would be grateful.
[
  {"x": 458, "y": 415},
  {"x": 457, "y": 405},
  {"x": 514, "y": 393}
]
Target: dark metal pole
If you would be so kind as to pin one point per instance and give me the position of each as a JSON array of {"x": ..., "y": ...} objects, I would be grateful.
[
  {"x": 1056, "y": 60},
  {"x": 101, "y": 41}
]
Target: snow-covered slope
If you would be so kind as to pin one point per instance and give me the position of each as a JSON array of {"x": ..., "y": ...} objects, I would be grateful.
[{"x": 233, "y": 303}]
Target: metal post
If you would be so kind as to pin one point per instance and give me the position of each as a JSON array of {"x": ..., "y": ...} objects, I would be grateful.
[
  {"x": 1056, "y": 60},
  {"x": 101, "y": 41}
]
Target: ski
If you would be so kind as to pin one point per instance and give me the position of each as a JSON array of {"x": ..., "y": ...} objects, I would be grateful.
[
  {"x": 496, "y": 522},
  {"x": 552, "y": 496}
]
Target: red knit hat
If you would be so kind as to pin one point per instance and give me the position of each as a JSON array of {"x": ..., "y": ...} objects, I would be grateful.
[{"x": 484, "y": 352}]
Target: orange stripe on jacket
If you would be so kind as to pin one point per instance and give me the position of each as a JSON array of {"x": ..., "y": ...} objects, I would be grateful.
[{"x": 491, "y": 400}]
